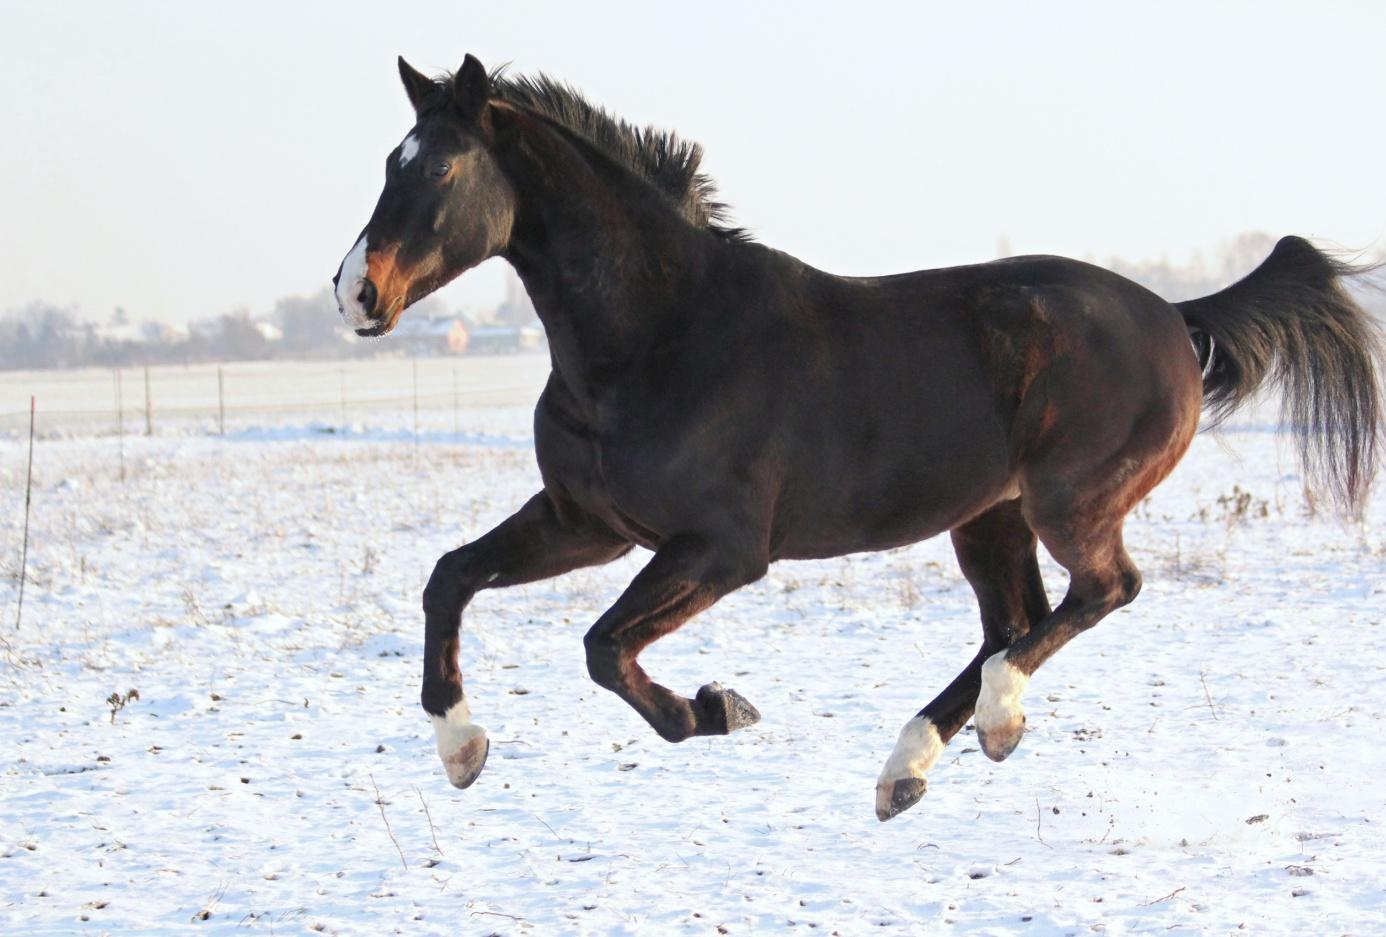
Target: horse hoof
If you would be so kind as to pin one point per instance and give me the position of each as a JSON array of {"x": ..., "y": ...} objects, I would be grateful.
[
  {"x": 999, "y": 718},
  {"x": 462, "y": 744},
  {"x": 465, "y": 763},
  {"x": 727, "y": 710},
  {"x": 999, "y": 741},
  {"x": 896, "y": 797},
  {"x": 902, "y": 783}
]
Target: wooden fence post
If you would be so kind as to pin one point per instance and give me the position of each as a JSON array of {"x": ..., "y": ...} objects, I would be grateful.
[
  {"x": 120, "y": 419},
  {"x": 28, "y": 492},
  {"x": 148, "y": 406}
]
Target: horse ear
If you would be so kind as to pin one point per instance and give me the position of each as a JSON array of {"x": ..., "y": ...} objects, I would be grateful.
[
  {"x": 471, "y": 87},
  {"x": 416, "y": 84}
]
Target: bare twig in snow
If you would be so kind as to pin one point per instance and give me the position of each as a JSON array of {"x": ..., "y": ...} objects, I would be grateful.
[
  {"x": 1038, "y": 814},
  {"x": 1206, "y": 695},
  {"x": 379, "y": 802},
  {"x": 431, "y": 830},
  {"x": 209, "y": 906},
  {"x": 1166, "y": 897},
  {"x": 118, "y": 701},
  {"x": 556, "y": 837}
]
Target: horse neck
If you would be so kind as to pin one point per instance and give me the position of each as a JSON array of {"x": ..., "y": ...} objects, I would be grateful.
[{"x": 605, "y": 258}]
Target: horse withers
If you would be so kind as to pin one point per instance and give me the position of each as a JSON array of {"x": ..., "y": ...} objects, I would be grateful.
[{"x": 725, "y": 405}]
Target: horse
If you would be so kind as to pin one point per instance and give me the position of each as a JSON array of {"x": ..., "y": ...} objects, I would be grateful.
[{"x": 725, "y": 405}]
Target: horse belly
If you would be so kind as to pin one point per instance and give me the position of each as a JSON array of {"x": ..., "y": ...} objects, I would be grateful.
[{"x": 897, "y": 492}]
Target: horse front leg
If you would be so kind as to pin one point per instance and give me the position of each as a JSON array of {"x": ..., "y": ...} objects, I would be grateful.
[
  {"x": 535, "y": 543},
  {"x": 687, "y": 575}
]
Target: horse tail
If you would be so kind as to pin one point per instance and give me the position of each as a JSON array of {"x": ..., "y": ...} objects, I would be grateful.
[{"x": 1290, "y": 323}]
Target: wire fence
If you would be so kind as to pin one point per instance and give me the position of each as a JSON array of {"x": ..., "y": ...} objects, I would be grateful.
[
  {"x": 434, "y": 395},
  {"x": 430, "y": 393}
]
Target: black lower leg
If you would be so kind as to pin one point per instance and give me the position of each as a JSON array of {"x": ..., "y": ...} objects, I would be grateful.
[
  {"x": 996, "y": 552},
  {"x": 535, "y": 543},
  {"x": 686, "y": 575}
]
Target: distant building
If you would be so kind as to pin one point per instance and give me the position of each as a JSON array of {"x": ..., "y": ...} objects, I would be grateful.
[
  {"x": 152, "y": 333},
  {"x": 440, "y": 335},
  {"x": 516, "y": 309},
  {"x": 505, "y": 339}
]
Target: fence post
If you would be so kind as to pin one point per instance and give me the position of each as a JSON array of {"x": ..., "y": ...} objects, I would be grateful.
[
  {"x": 221, "y": 404},
  {"x": 148, "y": 406},
  {"x": 120, "y": 420},
  {"x": 28, "y": 490}
]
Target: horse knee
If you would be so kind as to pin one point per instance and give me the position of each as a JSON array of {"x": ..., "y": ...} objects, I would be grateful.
[
  {"x": 746, "y": 570},
  {"x": 603, "y": 660},
  {"x": 1110, "y": 589},
  {"x": 1122, "y": 588},
  {"x": 1129, "y": 585},
  {"x": 449, "y": 587}
]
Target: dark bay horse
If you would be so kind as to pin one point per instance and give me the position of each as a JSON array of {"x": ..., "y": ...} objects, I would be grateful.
[{"x": 725, "y": 405}]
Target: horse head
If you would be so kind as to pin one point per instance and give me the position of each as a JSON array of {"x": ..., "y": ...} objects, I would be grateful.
[{"x": 445, "y": 208}]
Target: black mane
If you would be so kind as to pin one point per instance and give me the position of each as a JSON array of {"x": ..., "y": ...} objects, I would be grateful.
[{"x": 668, "y": 161}]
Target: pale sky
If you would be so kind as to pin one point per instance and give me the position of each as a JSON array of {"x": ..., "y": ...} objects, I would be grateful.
[{"x": 181, "y": 159}]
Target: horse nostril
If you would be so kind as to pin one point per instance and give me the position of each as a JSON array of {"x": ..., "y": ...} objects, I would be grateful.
[{"x": 367, "y": 296}]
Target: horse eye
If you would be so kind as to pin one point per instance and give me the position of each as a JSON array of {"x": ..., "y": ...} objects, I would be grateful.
[{"x": 439, "y": 170}]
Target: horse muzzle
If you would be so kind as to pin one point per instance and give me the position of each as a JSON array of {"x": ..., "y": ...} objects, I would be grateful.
[{"x": 358, "y": 290}]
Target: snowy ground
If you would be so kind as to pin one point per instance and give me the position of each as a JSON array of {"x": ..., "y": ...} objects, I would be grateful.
[{"x": 1205, "y": 761}]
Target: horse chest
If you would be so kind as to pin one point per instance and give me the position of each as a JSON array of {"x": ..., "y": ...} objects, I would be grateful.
[{"x": 577, "y": 468}]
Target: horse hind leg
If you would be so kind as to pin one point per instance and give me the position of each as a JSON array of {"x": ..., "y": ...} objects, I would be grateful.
[
  {"x": 996, "y": 551},
  {"x": 1078, "y": 516},
  {"x": 1102, "y": 579}
]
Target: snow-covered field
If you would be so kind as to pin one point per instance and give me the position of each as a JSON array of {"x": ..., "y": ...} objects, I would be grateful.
[
  {"x": 205, "y": 397},
  {"x": 1205, "y": 761}
]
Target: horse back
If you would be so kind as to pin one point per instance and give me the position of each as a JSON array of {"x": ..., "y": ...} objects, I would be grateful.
[{"x": 911, "y": 403}]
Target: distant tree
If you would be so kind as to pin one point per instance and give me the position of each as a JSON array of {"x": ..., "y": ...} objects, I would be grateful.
[
  {"x": 1243, "y": 254},
  {"x": 311, "y": 324},
  {"x": 42, "y": 335},
  {"x": 1235, "y": 259},
  {"x": 237, "y": 338}
]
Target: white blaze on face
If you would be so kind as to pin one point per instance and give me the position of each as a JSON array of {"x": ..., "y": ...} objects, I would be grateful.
[
  {"x": 408, "y": 150},
  {"x": 349, "y": 281}
]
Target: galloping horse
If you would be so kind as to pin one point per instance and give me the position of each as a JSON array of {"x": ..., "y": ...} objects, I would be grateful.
[{"x": 725, "y": 405}]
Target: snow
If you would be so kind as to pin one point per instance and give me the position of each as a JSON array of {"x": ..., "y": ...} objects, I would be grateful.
[{"x": 1201, "y": 761}]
